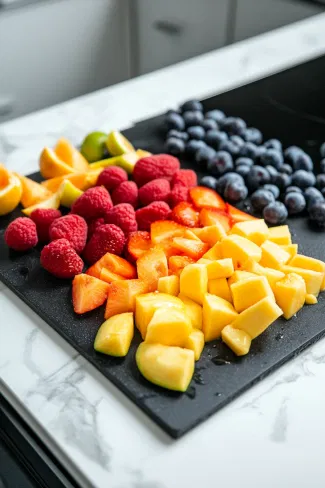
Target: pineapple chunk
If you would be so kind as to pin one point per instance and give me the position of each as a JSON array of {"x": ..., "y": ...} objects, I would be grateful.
[
  {"x": 313, "y": 279},
  {"x": 239, "y": 250},
  {"x": 169, "y": 285},
  {"x": 194, "y": 282},
  {"x": 272, "y": 275},
  {"x": 195, "y": 342},
  {"x": 247, "y": 292},
  {"x": 217, "y": 313},
  {"x": 210, "y": 234},
  {"x": 306, "y": 262},
  {"x": 310, "y": 299},
  {"x": 114, "y": 336},
  {"x": 240, "y": 275},
  {"x": 280, "y": 235},
  {"x": 214, "y": 253},
  {"x": 273, "y": 256},
  {"x": 193, "y": 310},
  {"x": 171, "y": 328},
  {"x": 220, "y": 288},
  {"x": 166, "y": 366},
  {"x": 255, "y": 230},
  {"x": 238, "y": 340},
  {"x": 255, "y": 319},
  {"x": 290, "y": 293},
  {"x": 292, "y": 249}
]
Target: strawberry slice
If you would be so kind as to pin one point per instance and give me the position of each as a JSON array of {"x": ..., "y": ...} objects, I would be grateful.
[
  {"x": 237, "y": 215},
  {"x": 213, "y": 216},
  {"x": 185, "y": 214},
  {"x": 205, "y": 197},
  {"x": 88, "y": 293},
  {"x": 164, "y": 230},
  {"x": 151, "y": 266},
  {"x": 192, "y": 249},
  {"x": 113, "y": 263},
  {"x": 177, "y": 263},
  {"x": 122, "y": 295},
  {"x": 138, "y": 243},
  {"x": 109, "y": 276}
]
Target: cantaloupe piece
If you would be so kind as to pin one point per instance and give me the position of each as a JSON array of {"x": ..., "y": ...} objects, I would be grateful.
[
  {"x": 280, "y": 235},
  {"x": 151, "y": 266},
  {"x": 115, "y": 335},
  {"x": 254, "y": 230},
  {"x": 238, "y": 340},
  {"x": 171, "y": 328},
  {"x": 122, "y": 295},
  {"x": 313, "y": 279},
  {"x": 306, "y": 262},
  {"x": 247, "y": 292},
  {"x": 195, "y": 342},
  {"x": 217, "y": 313},
  {"x": 220, "y": 288},
  {"x": 290, "y": 294},
  {"x": 193, "y": 310},
  {"x": 273, "y": 256},
  {"x": 272, "y": 275},
  {"x": 239, "y": 249},
  {"x": 194, "y": 282}
]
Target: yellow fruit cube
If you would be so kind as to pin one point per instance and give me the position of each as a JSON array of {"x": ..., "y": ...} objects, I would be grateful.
[
  {"x": 273, "y": 256},
  {"x": 240, "y": 275},
  {"x": 210, "y": 234},
  {"x": 313, "y": 279},
  {"x": 255, "y": 230},
  {"x": 222, "y": 268},
  {"x": 214, "y": 253},
  {"x": 166, "y": 366},
  {"x": 310, "y": 299},
  {"x": 292, "y": 249},
  {"x": 255, "y": 319},
  {"x": 217, "y": 313},
  {"x": 193, "y": 310},
  {"x": 115, "y": 335},
  {"x": 194, "y": 282},
  {"x": 189, "y": 234},
  {"x": 238, "y": 340},
  {"x": 169, "y": 285},
  {"x": 203, "y": 261},
  {"x": 220, "y": 288},
  {"x": 247, "y": 292},
  {"x": 239, "y": 249},
  {"x": 306, "y": 262},
  {"x": 290, "y": 293},
  {"x": 272, "y": 275},
  {"x": 195, "y": 342},
  {"x": 170, "y": 328},
  {"x": 280, "y": 235}
]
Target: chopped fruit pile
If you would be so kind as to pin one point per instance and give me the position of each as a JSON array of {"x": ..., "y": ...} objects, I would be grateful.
[
  {"x": 280, "y": 182},
  {"x": 163, "y": 254}
]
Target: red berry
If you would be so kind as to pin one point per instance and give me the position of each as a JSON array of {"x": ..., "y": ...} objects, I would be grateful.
[
  {"x": 71, "y": 227},
  {"x": 94, "y": 224},
  {"x": 155, "y": 211},
  {"x": 61, "y": 260},
  {"x": 126, "y": 192},
  {"x": 92, "y": 204},
  {"x": 155, "y": 190},
  {"x": 186, "y": 177},
  {"x": 153, "y": 167},
  {"x": 123, "y": 215},
  {"x": 21, "y": 234},
  {"x": 107, "y": 238},
  {"x": 111, "y": 177},
  {"x": 43, "y": 218},
  {"x": 178, "y": 194}
]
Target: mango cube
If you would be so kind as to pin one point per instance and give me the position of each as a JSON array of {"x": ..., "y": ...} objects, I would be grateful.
[
  {"x": 290, "y": 293},
  {"x": 255, "y": 319},
  {"x": 166, "y": 366},
  {"x": 222, "y": 268},
  {"x": 214, "y": 253},
  {"x": 310, "y": 299},
  {"x": 273, "y": 256},
  {"x": 238, "y": 340},
  {"x": 115, "y": 335},
  {"x": 247, "y": 292},
  {"x": 210, "y": 234},
  {"x": 239, "y": 249},
  {"x": 194, "y": 282},
  {"x": 217, "y": 313},
  {"x": 240, "y": 275},
  {"x": 193, "y": 310},
  {"x": 169, "y": 285},
  {"x": 313, "y": 279},
  {"x": 280, "y": 235},
  {"x": 306, "y": 262},
  {"x": 292, "y": 249},
  {"x": 171, "y": 328},
  {"x": 272, "y": 275},
  {"x": 195, "y": 342},
  {"x": 189, "y": 234},
  {"x": 255, "y": 230},
  {"x": 220, "y": 288}
]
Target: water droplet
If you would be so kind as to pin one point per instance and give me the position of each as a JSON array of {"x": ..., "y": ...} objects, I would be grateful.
[
  {"x": 198, "y": 378},
  {"x": 214, "y": 346},
  {"x": 278, "y": 337},
  {"x": 220, "y": 361},
  {"x": 191, "y": 392},
  {"x": 218, "y": 394}
]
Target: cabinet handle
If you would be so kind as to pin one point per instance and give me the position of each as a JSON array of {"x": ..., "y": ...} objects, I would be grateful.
[{"x": 168, "y": 27}]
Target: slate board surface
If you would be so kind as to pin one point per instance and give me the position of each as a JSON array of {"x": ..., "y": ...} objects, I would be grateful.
[{"x": 289, "y": 106}]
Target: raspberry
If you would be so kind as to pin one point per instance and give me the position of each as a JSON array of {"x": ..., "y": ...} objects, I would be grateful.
[
  {"x": 61, "y": 260},
  {"x": 107, "y": 238},
  {"x": 43, "y": 218},
  {"x": 155, "y": 211},
  {"x": 186, "y": 177},
  {"x": 92, "y": 204},
  {"x": 122, "y": 215},
  {"x": 93, "y": 225},
  {"x": 155, "y": 190},
  {"x": 153, "y": 167},
  {"x": 21, "y": 234},
  {"x": 71, "y": 227},
  {"x": 111, "y": 177},
  {"x": 178, "y": 194},
  {"x": 126, "y": 192}
]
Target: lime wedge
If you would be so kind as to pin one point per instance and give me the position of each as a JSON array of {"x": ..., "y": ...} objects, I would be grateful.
[
  {"x": 117, "y": 144},
  {"x": 93, "y": 146}
]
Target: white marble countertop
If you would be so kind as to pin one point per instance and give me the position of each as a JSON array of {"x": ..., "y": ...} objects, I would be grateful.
[{"x": 271, "y": 436}]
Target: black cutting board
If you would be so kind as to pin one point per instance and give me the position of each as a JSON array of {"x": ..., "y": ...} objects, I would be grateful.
[{"x": 290, "y": 106}]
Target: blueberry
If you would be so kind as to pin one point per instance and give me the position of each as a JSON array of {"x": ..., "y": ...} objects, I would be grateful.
[
  {"x": 295, "y": 202},
  {"x": 216, "y": 115},
  {"x": 293, "y": 188},
  {"x": 191, "y": 105},
  {"x": 243, "y": 170},
  {"x": 175, "y": 121},
  {"x": 261, "y": 198},
  {"x": 322, "y": 166},
  {"x": 282, "y": 180},
  {"x": 301, "y": 160},
  {"x": 275, "y": 213},
  {"x": 273, "y": 144},
  {"x": 193, "y": 146},
  {"x": 323, "y": 192},
  {"x": 209, "y": 182},
  {"x": 178, "y": 134},
  {"x": 204, "y": 155},
  {"x": 235, "y": 192},
  {"x": 303, "y": 178},
  {"x": 229, "y": 147},
  {"x": 272, "y": 172},
  {"x": 272, "y": 157},
  {"x": 320, "y": 181},
  {"x": 251, "y": 134},
  {"x": 257, "y": 177},
  {"x": 174, "y": 146},
  {"x": 226, "y": 179},
  {"x": 312, "y": 195},
  {"x": 196, "y": 132},
  {"x": 244, "y": 161},
  {"x": 220, "y": 163},
  {"x": 322, "y": 150},
  {"x": 273, "y": 189},
  {"x": 209, "y": 124},
  {"x": 173, "y": 111},
  {"x": 234, "y": 125},
  {"x": 213, "y": 138},
  {"x": 286, "y": 168},
  {"x": 291, "y": 152},
  {"x": 317, "y": 214},
  {"x": 249, "y": 150},
  {"x": 239, "y": 141},
  {"x": 192, "y": 118}
]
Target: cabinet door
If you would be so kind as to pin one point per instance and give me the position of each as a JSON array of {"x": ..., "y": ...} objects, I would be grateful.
[{"x": 169, "y": 31}]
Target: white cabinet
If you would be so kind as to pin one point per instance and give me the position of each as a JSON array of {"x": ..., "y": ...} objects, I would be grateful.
[
  {"x": 57, "y": 50},
  {"x": 168, "y": 31}
]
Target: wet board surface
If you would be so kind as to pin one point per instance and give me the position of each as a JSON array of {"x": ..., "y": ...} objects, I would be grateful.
[{"x": 289, "y": 106}]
